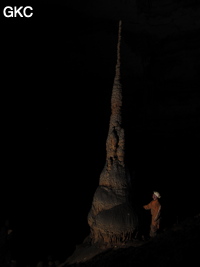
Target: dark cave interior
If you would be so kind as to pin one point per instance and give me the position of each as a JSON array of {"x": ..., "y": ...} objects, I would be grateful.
[{"x": 58, "y": 75}]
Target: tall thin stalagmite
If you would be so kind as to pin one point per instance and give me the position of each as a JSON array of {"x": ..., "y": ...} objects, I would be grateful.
[{"x": 112, "y": 219}]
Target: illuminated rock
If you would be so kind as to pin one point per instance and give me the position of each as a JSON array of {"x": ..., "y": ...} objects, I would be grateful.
[{"x": 112, "y": 219}]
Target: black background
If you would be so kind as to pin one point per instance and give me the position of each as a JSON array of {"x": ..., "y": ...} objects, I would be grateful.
[
  {"x": 53, "y": 130},
  {"x": 56, "y": 81}
]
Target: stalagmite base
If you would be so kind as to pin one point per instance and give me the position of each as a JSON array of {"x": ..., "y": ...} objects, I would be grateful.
[{"x": 112, "y": 219}]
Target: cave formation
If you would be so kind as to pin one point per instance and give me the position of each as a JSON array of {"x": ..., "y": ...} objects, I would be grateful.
[{"x": 112, "y": 219}]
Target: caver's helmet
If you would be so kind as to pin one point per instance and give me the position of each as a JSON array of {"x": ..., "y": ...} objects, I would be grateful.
[{"x": 157, "y": 194}]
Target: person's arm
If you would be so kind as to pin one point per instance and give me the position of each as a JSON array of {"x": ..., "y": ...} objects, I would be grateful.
[{"x": 147, "y": 207}]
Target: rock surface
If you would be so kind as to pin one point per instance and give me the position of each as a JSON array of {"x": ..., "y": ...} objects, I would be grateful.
[
  {"x": 112, "y": 218},
  {"x": 176, "y": 246}
]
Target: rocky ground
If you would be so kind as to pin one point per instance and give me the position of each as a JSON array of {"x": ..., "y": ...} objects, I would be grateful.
[{"x": 175, "y": 246}]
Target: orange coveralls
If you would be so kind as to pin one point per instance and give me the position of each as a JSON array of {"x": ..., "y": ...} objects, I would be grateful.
[{"x": 155, "y": 208}]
